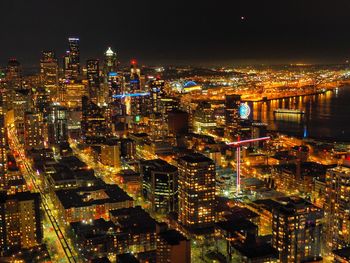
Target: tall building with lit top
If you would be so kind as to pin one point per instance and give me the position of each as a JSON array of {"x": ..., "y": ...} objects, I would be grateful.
[
  {"x": 337, "y": 207},
  {"x": 49, "y": 68},
  {"x": 196, "y": 191},
  {"x": 72, "y": 59},
  {"x": 110, "y": 62}
]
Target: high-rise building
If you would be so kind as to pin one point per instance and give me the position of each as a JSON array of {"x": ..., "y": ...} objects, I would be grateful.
[
  {"x": 137, "y": 103},
  {"x": 74, "y": 56},
  {"x": 156, "y": 88},
  {"x": 93, "y": 77},
  {"x": 93, "y": 124},
  {"x": 66, "y": 65},
  {"x": 72, "y": 59},
  {"x": 33, "y": 130},
  {"x": 159, "y": 185},
  {"x": 196, "y": 191},
  {"x": 21, "y": 102},
  {"x": 14, "y": 73},
  {"x": 49, "y": 68},
  {"x": 337, "y": 207},
  {"x": 20, "y": 221},
  {"x": 297, "y": 230},
  {"x": 116, "y": 105},
  {"x": 57, "y": 125},
  {"x": 232, "y": 117},
  {"x": 110, "y": 63}
]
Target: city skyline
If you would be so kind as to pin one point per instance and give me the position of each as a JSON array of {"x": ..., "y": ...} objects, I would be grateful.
[
  {"x": 182, "y": 32},
  {"x": 174, "y": 132}
]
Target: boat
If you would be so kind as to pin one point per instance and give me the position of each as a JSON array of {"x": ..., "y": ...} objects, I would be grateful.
[{"x": 289, "y": 111}]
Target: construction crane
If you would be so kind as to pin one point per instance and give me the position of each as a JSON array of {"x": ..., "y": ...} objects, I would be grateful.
[{"x": 238, "y": 144}]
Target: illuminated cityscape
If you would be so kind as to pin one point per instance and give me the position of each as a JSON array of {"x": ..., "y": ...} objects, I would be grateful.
[{"x": 119, "y": 144}]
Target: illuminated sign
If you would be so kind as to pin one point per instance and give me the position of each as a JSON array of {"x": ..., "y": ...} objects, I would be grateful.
[{"x": 244, "y": 110}]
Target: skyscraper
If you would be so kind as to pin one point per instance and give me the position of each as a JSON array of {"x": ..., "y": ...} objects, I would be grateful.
[
  {"x": 22, "y": 221},
  {"x": 93, "y": 77},
  {"x": 110, "y": 63},
  {"x": 159, "y": 185},
  {"x": 232, "y": 118},
  {"x": 74, "y": 56},
  {"x": 196, "y": 191},
  {"x": 57, "y": 125},
  {"x": 72, "y": 59},
  {"x": 297, "y": 230},
  {"x": 14, "y": 73},
  {"x": 156, "y": 88},
  {"x": 49, "y": 68},
  {"x": 337, "y": 207},
  {"x": 33, "y": 130},
  {"x": 93, "y": 123}
]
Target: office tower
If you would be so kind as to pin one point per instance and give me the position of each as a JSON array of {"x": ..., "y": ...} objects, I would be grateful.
[
  {"x": 135, "y": 72},
  {"x": 13, "y": 74},
  {"x": 297, "y": 230},
  {"x": 159, "y": 185},
  {"x": 203, "y": 118},
  {"x": 232, "y": 117},
  {"x": 173, "y": 247},
  {"x": 110, "y": 62},
  {"x": 196, "y": 191},
  {"x": 93, "y": 124},
  {"x": 49, "y": 68},
  {"x": 137, "y": 103},
  {"x": 74, "y": 56},
  {"x": 21, "y": 221},
  {"x": 33, "y": 130},
  {"x": 72, "y": 59},
  {"x": 21, "y": 101},
  {"x": 66, "y": 66},
  {"x": 57, "y": 125},
  {"x": 156, "y": 89},
  {"x": 116, "y": 102},
  {"x": 337, "y": 207},
  {"x": 93, "y": 77}
]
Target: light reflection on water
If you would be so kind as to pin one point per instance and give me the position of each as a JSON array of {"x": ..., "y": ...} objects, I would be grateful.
[{"x": 326, "y": 115}]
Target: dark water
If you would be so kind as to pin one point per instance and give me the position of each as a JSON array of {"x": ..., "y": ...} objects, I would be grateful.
[{"x": 327, "y": 116}]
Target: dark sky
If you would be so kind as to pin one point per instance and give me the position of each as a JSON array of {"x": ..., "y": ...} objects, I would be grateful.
[{"x": 182, "y": 32}]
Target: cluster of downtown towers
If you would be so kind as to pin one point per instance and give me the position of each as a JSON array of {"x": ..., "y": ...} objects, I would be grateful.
[{"x": 56, "y": 125}]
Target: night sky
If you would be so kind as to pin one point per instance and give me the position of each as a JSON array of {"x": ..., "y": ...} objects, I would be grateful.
[{"x": 180, "y": 32}]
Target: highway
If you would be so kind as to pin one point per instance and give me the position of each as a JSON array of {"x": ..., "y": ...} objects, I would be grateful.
[{"x": 30, "y": 177}]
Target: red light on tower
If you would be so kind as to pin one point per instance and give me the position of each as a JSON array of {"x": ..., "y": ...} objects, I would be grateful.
[{"x": 133, "y": 62}]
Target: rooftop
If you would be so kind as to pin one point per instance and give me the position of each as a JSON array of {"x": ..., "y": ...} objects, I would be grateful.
[
  {"x": 87, "y": 196},
  {"x": 172, "y": 237},
  {"x": 195, "y": 158}
]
